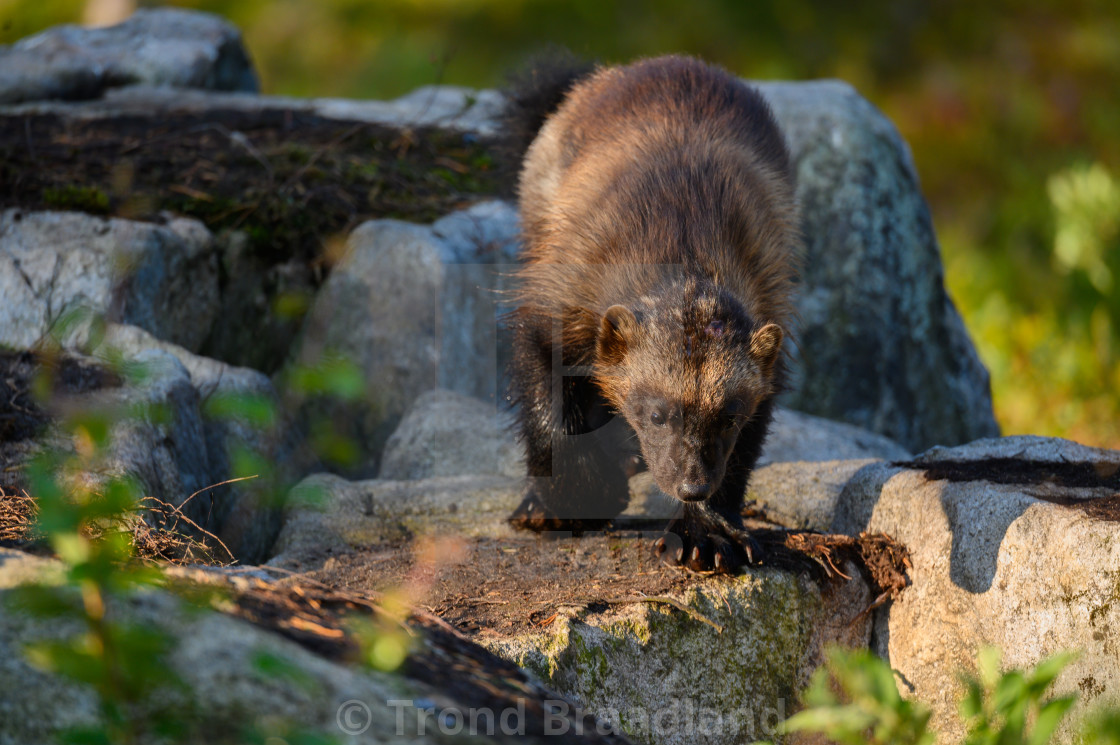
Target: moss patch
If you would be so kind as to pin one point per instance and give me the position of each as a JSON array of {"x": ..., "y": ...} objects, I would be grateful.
[{"x": 72, "y": 197}]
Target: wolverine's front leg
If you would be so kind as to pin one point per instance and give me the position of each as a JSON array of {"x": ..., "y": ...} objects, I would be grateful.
[
  {"x": 585, "y": 490},
  {"x": 574, "y": 483}
]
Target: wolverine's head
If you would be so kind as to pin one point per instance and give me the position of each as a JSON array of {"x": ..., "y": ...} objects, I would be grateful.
[{"x": 687, "y": 370}]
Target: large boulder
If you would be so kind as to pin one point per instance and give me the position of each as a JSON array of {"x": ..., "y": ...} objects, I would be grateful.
[
  {"x": 881, "y": 344},
  {"x": 414, "y": 307},
  {"x": 179, "y": 423},
  {"x": 1013, "y": 544},
  {"x": 163, "y": 46},
  {"x": 719, "y": 662},
  {"x": 53, "y": 265}
]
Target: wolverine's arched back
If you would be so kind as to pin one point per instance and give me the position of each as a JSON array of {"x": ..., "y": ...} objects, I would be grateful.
[{"x": 660, "y": 252}]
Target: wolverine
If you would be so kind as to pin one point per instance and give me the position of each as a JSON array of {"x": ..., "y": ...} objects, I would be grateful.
[{"x": 660, "y": 253}]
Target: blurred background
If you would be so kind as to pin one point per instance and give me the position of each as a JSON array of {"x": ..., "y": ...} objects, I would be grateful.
[{"x": 1011, "y": 108}]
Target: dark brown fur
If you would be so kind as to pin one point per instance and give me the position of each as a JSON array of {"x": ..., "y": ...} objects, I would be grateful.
[{"x": 660, "y": 252}]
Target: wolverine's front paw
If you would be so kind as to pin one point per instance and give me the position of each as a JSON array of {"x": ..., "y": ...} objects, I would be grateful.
[
  {"x": 532, "y": 514},
  {"x": 702, "y": 549}
]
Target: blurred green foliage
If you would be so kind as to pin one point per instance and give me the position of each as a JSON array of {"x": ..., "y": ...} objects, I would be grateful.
[
  {"x": 1008, "y": 708},
  {"x": 83, "y": 519},
  {"x": 1010, "y": 109},
  {"x": 89, "y": 514},
  {"x": 853, "y": 698}
]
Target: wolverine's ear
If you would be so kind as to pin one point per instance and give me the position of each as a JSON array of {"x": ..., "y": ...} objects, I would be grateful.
[
  {"x": 766, "y": 343},
  {"x": 615, "y": 334}
]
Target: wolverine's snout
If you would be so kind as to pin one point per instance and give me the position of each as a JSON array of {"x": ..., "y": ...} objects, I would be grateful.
[{"x": 694, "y": 492}]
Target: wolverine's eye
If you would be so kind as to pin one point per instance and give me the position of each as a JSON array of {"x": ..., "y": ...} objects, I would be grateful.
[
  {"x": 730, "y": 416},
  {"x": 657, "y": 417}
]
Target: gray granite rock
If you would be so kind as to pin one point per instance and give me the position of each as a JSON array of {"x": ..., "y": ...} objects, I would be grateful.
[
  {"x": 803, "y": 494},
  {"x": 800, "y": 437},
  {"x": 650, "y": 669},
  {"x": 414, "y": 307},
  {"x": 471, "y": 112},
  {"x": 157, "y": 434},
  {"x": 449, "y": 434},
  {"x": 881, "y": 344},
  {"x": 1014, "y": 544},
  {"x": 326, "y": 513},
  {"x": 53, "y": 265},
  {"x": 159, "y": 46}
]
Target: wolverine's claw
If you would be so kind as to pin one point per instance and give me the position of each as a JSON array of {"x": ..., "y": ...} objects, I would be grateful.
[
  {"x": 696, "y": 560},
  {"x": 707, "y": 546}
]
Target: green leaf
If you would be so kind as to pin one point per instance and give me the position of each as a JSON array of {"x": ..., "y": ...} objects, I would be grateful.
[
  {"x": 1047, "y": 671},
  {"x": 1048, "y": 719}
]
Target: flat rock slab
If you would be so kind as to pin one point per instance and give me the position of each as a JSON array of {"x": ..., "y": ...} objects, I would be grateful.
[
  {"x": 451, "y": 108},
  {"x": 328, "y": 514},
  {"x": 666, "y": 655},
  {"x": 596, "y": 616},
  {"x": 1014, "y": 544}
]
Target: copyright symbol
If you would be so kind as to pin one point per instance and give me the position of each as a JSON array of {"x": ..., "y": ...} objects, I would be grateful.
[{"x": 353, "y": 717}]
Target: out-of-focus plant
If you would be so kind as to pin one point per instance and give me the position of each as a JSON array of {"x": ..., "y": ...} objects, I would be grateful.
[
  {"x": 1086, "y": 202},
  {"x": 1009, "y": 708},
  {"x": 1102, "y": 728},
  {"x": 80, "y": 518},
  {"x": 853, "y": 700}
]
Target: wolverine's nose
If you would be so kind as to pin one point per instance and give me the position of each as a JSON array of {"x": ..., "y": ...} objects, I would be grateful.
[{"x": 693, "y": 492}]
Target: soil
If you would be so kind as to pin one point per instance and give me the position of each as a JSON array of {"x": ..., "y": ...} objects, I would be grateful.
[
  {"x": 490, "y": 586},
  {"x": 1028, "y": 473},
  {"x": 289, "y": 180}
]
